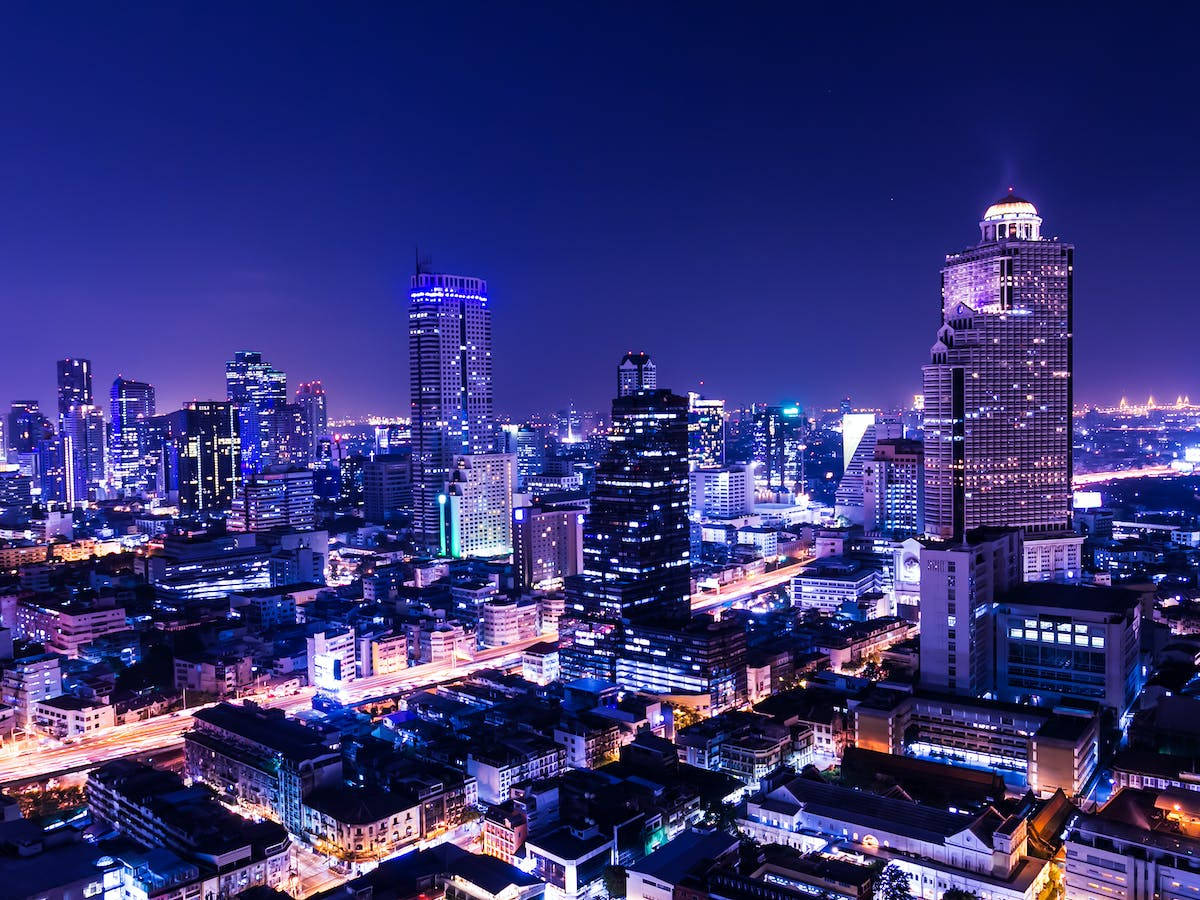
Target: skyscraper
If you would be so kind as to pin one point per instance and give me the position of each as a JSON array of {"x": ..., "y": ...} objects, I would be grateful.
[
  {"x": 635, "y": 373},
  {"x": 74, "y": 383},
  {"x": 131, "y": 406},
  {"x": 636, "y": 545},
  {"x": 82, "y": 435},
  {"x": 201, "y": 454},
  {"x": 26, "y": 427},
  {"x": 310, "y": 397},
  {"x": 259, "y": 391},
  {"x": 778, "y": 433},
  {"x": 706, "y": 431},
  {"x": 450, "y": 358},
  {"x": 998, "y": 389},
  {"x": 478, "y": 507}
]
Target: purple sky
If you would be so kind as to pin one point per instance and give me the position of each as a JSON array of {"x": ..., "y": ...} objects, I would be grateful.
[{"x": 761, "y": 202}]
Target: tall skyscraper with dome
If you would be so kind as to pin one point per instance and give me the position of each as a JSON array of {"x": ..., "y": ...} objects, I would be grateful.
[{"x": 998, "y": 387}]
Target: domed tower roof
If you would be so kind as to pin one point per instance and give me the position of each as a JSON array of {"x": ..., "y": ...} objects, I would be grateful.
[
  {"x": 1009, "y": 205},
  {"x": 1011, "y": 218}
]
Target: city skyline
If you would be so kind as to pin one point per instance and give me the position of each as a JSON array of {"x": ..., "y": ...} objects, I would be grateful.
[{"x": 235, "y": 223}]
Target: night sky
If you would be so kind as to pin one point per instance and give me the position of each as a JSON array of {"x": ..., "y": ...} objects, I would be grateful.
[{"x": 759, "y": 197}]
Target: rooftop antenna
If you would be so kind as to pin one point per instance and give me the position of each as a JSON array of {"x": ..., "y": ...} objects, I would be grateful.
[{"x": 422, "y": 264}]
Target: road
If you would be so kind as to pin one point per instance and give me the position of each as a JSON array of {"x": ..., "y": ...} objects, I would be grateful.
[
  {"x": 1090, "y": 478},
  {"x": 747, "y": 587},
  {"x": 164, "y": 733}
]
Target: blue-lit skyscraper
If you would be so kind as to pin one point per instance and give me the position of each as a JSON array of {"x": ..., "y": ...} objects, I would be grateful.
[
  {"x": 131, "y": 406},
  {"x": 259, "y": 391},
  {"x": 450, "y": 359}
]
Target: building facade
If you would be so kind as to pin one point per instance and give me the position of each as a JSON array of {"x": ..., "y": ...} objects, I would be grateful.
[{"x": 998, "y": 389}]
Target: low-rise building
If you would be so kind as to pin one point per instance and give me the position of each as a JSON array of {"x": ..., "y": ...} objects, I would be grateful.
[
  {"x": 1141, "y": 845},
  {"x": 939, "y": 850},
  {"x": 66, "y": 716},
  {"x": 359, "y": 823}
]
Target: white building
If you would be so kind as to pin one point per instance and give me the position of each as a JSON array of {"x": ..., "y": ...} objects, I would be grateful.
[
  {"x": 725, "y": 492},
  {"x": 938, "y": 850},
  {"x": 504, "y": 621},
  {"x": 332, "y": 663},
  {"x": 478, "y": 507}
]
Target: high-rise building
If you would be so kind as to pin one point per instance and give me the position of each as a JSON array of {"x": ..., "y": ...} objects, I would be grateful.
[
  {"x": 547, "y": 545},
  {"x": 854, "y": 501},
  {"x": 310, "y": 397},
  {"x": 259, "y": 391},
  {"x": 450, "y": 358},
  {"x": 706, "y": 431},
  {"x": 894, "y": 485},
  {"x": 387, "y": 486},
  {"x": 960, "y": 584},
  {"x": 280, "y": 497},
  {"x": 529, "y": 445},
  {"x": 291, "y": 435},
  {"x": 26, "y": 427},
  {"x": 74, "y": 384},
  {"x": 998, "y": 389},
  {"x": 778, "y": 433},
  {"x": 635, "y": 373},
  {"x": 82, "y": 438},
  {"x": 636, "y": 538},
  {"x": 201, "y": 454},
  {"x": 721, "y": 492},
  {"x": 131, "y": 407},
  {"x": 478, "y": 505}
]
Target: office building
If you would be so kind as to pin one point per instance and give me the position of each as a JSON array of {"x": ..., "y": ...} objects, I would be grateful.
[
  {"x": 201, "y": 454},
  {"x": 547, "y": 545},
  {"x": 16, "y": 488},
  {"x": 258, "y": 392},
  {"x": 894, "y": 488},
  {"x": 311, "y": 398},
  {"x": 636, "y": 545},
  {"x": 478, "y": 506},
  {"x": 450, "y": 358},
  {"x": 721, "y": 492},
  {"x": 82, "y": 443},
  {"x": 998, "y": 389},
  {"x": 131, "y": 405},
  {"x": 529, "y": 445},
  {"x": 778, "y": 436},
  {"x": 853, "y": 505},
  {"x": 1059, "y": 643},
  {"x": 635, "y": 373},
  {"x": 280, "y": 497},
  {"x": 706, "y": 431},
  {"x": 291, "y": 437},
  {"x": 387, "y": 486},
  {"x": 26, "y": 427},
  {"x": 959, "y": 583},
  {"x": 74, "y": 384},
  {"x": 702, "y": 660},
  {"x": 196, "y": 569},
  {"x": 1035, "y": 746}
]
